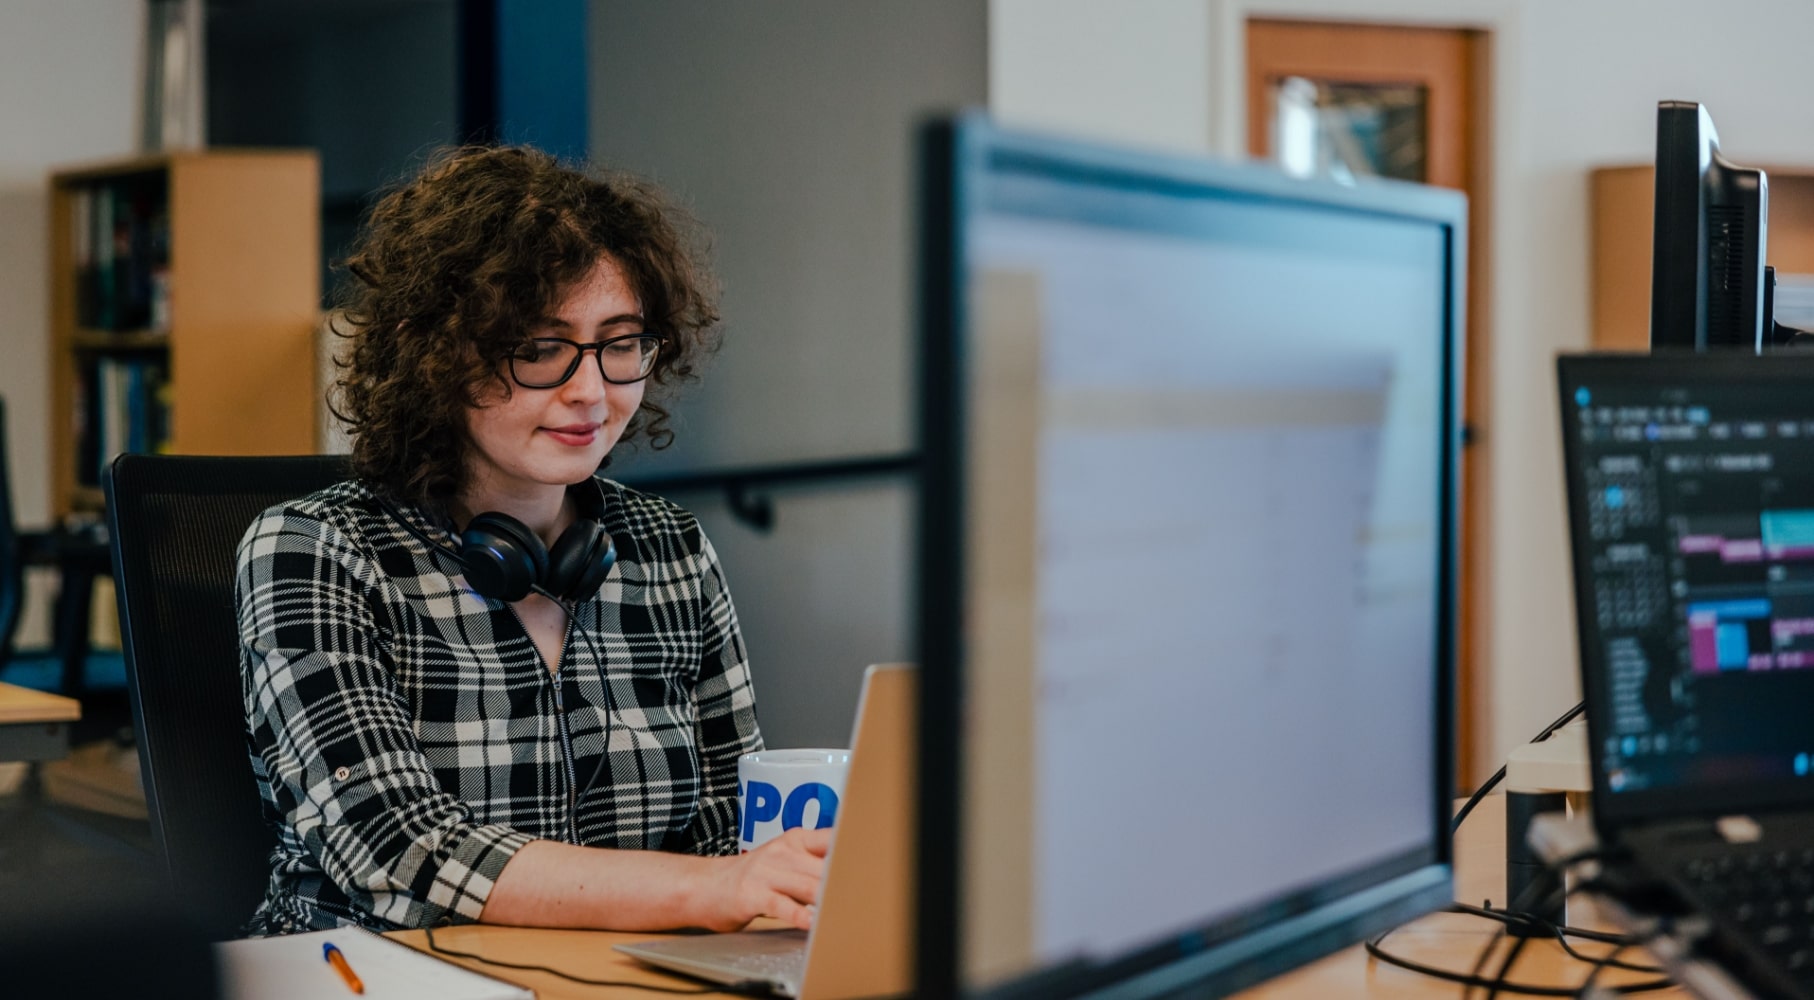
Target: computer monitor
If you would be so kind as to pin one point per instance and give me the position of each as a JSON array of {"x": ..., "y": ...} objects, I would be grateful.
[
  {"x": 1187, "y": 564},
  {"x": 1707, "y": 284},
  {"x": 1689, "y": 485}
]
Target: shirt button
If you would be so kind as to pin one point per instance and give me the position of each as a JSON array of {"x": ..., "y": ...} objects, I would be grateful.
[{"x": 342, "y": 773}]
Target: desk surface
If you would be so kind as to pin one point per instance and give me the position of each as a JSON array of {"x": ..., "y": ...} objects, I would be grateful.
[
  {"x": 23, "y": 705},
  {"x": 1449, "y": 941}
]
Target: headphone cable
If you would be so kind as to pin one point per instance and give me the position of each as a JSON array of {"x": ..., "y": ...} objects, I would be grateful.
[
  {"x": 748, "y": 986},
  {"x": 604, "y": 681}
]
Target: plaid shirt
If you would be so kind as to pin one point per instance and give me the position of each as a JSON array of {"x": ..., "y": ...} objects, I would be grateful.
[{"x": 408, "y": 738}]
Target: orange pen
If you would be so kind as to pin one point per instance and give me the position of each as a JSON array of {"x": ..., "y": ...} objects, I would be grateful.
[{"x": 334, "y": 958}]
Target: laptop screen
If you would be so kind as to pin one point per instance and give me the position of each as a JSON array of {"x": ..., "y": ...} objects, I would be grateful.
[
  {"x": 1691, "y": 504},
  {"x": 1206, "y": 442}
]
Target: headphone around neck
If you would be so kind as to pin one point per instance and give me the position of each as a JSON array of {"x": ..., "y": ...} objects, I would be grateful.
[{"x": 503, "y": 560}]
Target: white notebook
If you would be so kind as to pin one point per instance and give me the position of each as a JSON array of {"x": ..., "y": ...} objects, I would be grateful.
[{"x": 291, "y": 968}]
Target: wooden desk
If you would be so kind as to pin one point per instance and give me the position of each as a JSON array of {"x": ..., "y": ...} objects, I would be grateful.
[
  {"x": 34, "y": 725},
  {"x": 581, "y": 953},
  {"x": 1448, "y": 941}
]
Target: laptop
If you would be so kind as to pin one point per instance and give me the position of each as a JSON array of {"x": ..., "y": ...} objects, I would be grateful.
[
  {"x": 860, "y": 943},
  {"x": 1691, "y": 512}
]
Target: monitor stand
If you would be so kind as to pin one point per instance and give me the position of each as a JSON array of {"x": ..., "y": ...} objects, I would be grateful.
[{"x": 1551, "y": 776}]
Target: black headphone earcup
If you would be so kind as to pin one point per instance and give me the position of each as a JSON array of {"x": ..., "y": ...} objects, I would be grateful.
[
  {"x": 502, "y": 558},
  {"x": 580, "y": 561}
]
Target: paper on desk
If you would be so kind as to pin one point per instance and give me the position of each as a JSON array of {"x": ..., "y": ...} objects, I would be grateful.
[{"x": 291, "y": 968}]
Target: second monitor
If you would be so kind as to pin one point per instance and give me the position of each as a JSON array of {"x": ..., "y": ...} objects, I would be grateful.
[{"x": 1188, "y": 565}]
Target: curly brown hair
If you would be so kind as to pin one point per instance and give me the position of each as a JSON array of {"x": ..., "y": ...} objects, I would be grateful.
[{"x": 451, "y": 270}]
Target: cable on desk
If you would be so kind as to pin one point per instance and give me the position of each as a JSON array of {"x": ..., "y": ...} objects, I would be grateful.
[
  {"x": 1481, "y": 982},
  {"x": 1481, "y": 960},
  {"x": 1505, "y": 966},
  {"x": 752, "y": 987},
  {"x": 1499, "y": 983},
  {"x": 1475, "y": 979},
  {"x": 1527, "y": 902},
  {"x": 1541, "y": 896},
  {"x": 1561, "y": 932},
  {"x": 1375, "y": 949},
  {"x": 1609, "y": 959}
]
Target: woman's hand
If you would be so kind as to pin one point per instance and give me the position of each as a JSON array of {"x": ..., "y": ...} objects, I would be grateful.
[{"x": 780, "y": 879}]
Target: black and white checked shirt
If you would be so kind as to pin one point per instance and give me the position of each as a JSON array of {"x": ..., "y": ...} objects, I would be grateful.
[{"x": 407, "y": 735}]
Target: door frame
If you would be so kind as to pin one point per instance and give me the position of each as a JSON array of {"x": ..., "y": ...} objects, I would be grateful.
[{"x": 1480, "y": 682}]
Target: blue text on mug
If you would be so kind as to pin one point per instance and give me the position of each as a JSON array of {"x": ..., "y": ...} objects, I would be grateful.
[{"x": 780, "y": 790}]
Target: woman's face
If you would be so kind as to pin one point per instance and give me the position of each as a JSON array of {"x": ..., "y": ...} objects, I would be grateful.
[{"x": 558, "y": 436}]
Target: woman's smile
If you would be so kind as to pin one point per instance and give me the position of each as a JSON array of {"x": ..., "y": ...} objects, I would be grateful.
[{"x": 575, "y": 435}]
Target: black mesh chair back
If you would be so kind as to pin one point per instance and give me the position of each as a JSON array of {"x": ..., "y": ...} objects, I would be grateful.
[{"x": 176, "y": 522}]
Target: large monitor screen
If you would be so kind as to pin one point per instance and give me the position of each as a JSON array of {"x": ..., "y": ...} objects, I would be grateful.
[{"x": 1200, "y": 444}]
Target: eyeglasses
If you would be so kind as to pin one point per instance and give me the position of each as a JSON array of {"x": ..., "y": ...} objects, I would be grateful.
[{"x": 547, "y": 362}]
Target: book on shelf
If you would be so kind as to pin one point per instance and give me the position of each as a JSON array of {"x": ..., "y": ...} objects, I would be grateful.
[
  {"x": 120, "y": 238},
  {"x": 122, "y": 405}
]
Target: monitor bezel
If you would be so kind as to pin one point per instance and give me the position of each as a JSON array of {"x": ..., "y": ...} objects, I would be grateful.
[
  {"x": 1612, "y": 811},
  {"x": 1686, "y": 141},
  {"x": 1694, "y": 180},
  {"x": 955, "y": 157}
]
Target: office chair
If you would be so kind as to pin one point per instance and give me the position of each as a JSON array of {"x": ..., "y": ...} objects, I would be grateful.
[
  {"x": 69, "y": 667},
  {"x": 176, "y": 522}
]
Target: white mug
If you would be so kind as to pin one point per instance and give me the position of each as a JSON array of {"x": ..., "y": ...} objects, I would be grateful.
[{"x": 781, "y": 789}]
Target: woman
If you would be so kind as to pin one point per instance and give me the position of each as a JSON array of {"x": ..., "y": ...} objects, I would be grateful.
[{"x": 434, "y": 740}]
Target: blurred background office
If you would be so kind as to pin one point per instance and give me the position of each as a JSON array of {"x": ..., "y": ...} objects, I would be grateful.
[{"x": 787, "y": 126}]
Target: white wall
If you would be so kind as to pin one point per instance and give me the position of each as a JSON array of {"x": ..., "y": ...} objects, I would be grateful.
[
  {"x": 1135, "y": 73},
  {"x": 69, "y": 86},
  {"x": 1574, "y": 85},
  {"x": 787, "y": 125}
]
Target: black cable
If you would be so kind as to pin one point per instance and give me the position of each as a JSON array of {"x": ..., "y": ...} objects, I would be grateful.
[
  {"x": 1505, "y": 967},
  {"x": 1375, "y": 949},
  {"x": 1611, "y": 958},
  {"x": 604, "y": 681},
  {"x": 1561, "y": 932},
  {"x": 1486, "y": 953},
  {"x": 1499, "y": 775},
  {"x": 750, "y": 986},
  {"x": 1520, "y": 905},
  {"x": 1591, "y": 935},
  {"x": 1549, "y": 891},
  {"x": 1608, "y": 959},
  {"x": 1527, "y": 902},
  {"x": 1474, "y": 979}
]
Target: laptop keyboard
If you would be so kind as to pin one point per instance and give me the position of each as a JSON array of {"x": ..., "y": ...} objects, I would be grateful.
[
  {"x": 1767, "y": 892},
  {"x": 789, "y": 967}
]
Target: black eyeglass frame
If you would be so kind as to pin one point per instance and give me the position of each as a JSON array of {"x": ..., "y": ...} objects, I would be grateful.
[{"x": 579, "y": 356}]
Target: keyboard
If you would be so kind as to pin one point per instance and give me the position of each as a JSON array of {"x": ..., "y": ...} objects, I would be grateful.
[
  {"x": 1769, "y": 895},
  {"x": 770, "y": 968}
]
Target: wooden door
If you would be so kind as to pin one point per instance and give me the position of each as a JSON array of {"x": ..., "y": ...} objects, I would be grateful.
[{"x": 1432, "y": 80}]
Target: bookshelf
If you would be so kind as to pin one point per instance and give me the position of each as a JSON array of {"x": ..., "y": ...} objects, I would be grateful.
[
  {"x": 185, "y": 292},
  {"x": 1624, "y": 205}
]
